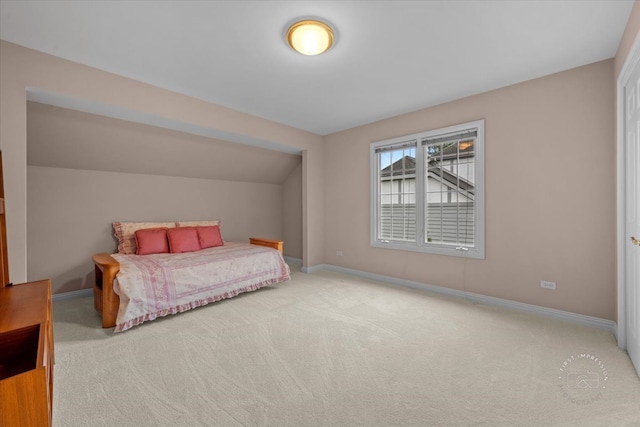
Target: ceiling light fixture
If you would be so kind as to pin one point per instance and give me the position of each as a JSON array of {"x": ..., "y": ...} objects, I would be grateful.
[{"x": 310, "y": 37}]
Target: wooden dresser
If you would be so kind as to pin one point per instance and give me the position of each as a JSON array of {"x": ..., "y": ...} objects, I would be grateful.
[{"x": 26, "y": 355}]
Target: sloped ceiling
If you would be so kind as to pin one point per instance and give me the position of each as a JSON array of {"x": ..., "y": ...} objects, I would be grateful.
[{"x": 64, "y": 138}]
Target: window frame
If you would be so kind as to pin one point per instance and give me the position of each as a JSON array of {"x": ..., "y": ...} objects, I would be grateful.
[{"x": 421, "y": 245}]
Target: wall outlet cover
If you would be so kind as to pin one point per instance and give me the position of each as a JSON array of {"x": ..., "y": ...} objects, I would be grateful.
[{"x": 548, "y": 285}]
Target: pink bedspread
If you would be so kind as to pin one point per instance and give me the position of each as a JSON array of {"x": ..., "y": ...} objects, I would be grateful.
[{"x": 152, "y": 286}]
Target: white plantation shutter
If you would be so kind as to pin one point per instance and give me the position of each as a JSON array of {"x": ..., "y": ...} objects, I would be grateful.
[
  {"x": 450, "y": 184},
  {"x": 427, "y": 191},
  {"x": 396, "y": 192}
]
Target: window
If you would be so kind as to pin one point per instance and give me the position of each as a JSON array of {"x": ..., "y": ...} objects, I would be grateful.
[{"x": 427, "y": 191}]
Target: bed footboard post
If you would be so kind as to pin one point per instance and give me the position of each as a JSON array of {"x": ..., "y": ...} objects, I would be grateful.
[{"x": 106, "y": 300}]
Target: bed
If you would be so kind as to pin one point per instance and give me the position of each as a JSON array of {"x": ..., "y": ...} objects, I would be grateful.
[{"x": 130, "y": 289}]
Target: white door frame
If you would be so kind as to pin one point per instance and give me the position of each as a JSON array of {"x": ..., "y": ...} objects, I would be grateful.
[{"x": 633, "y": 58}]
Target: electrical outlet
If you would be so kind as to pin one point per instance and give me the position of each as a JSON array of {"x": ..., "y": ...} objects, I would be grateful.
[
  {"x": 338, "y": 253},
  {"x": 548, "y": 285}
]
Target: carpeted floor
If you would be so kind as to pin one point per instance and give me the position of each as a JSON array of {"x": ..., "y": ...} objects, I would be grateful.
[{"x": 328, "y": 349}]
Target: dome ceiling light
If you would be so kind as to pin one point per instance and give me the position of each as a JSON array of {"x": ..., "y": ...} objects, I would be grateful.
[{"x": 310, "y": 37}]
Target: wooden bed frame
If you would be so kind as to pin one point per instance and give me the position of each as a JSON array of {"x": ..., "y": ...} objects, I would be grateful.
[{"x": 107, "y": 302}]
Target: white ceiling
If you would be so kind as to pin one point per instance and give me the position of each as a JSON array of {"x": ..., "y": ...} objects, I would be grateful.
[{"x": 391, "y": 57}]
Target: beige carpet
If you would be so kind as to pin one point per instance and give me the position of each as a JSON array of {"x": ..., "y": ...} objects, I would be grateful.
[{"x": 328, "y": 349}]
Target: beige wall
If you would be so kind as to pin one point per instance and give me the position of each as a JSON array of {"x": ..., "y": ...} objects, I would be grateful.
[
  {"x": 292, "y": 213},
  {"x": 68, "y": 220},
  {"x": 21, "y": 68},
  {"x": 560, "y": 225},
  {"x": 549, "y": 217}
]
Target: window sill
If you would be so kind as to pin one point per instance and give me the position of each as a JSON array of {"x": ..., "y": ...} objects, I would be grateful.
[{"x": 474, "y": 253}]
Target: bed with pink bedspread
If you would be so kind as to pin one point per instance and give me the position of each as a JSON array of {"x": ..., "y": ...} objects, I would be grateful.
[{"x": 152, "y": 286}]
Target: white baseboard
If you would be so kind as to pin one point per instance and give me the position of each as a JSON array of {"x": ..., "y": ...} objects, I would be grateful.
[
  {"x": 513, "y": 305},
  {"x": 72, "y": 294},
  {"x": 319, "y": 267},
  {"x": 292, "y": 260}
]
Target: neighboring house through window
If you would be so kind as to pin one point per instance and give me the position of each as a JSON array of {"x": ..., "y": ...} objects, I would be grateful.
[{"x": 427, "y": 191}]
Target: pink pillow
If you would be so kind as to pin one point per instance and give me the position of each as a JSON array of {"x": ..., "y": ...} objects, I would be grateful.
[
  {"x": 209, "y": 237},
  {"x": 151, "y": 241},
  {"x": 183, "y": 239}
]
